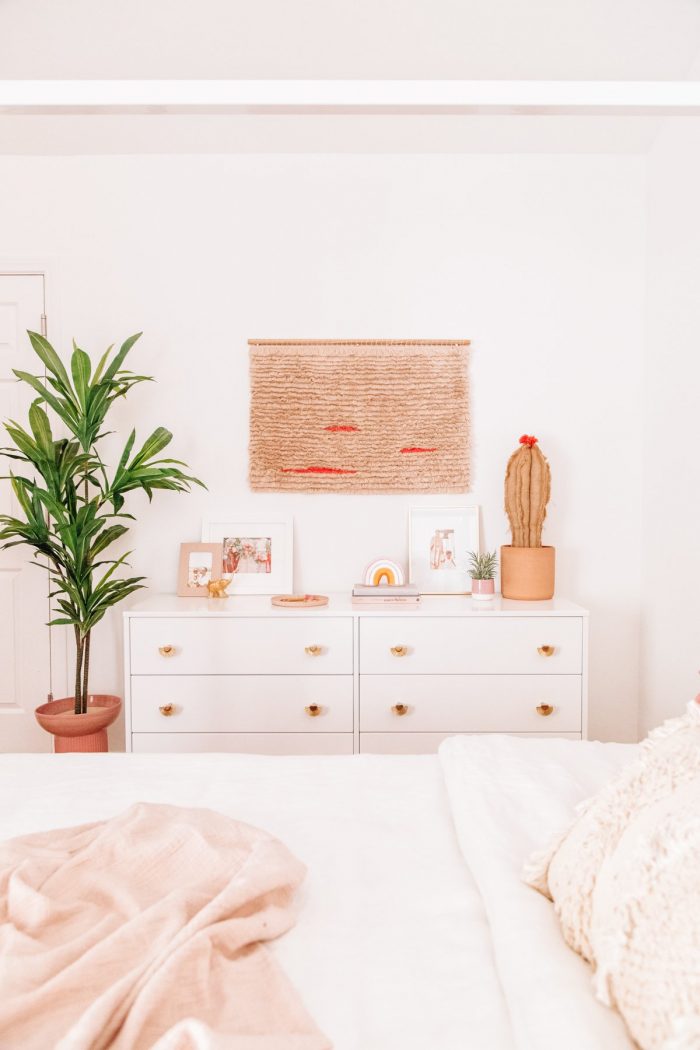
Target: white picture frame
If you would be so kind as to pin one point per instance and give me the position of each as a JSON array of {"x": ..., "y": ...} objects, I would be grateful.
[
  {"x": 257, "y": 551},
  {"x": 439, "y": 542}
]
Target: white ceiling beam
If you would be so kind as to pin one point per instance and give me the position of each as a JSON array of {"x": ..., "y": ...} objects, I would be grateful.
[{"x": 490, "y": 97}]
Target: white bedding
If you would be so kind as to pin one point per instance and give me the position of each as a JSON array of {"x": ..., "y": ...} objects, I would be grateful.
[
  {"x": 392, "y": 949},
  {"x": 395, "y": 947},
  {"x": 509, "y": 796}
]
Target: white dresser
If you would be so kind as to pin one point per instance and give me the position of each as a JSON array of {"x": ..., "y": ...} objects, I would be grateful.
[{"x": 240, "y": 675}]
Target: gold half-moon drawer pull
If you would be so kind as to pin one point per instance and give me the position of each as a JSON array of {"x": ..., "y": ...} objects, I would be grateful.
[
  {"x": 545, "y": 650},
  {"x": 167, "y": 710},
  {"x": 314, "y": 710},
  {"x": 399, "y": 709},
  {"x": 399, "y": 650},
  {"x": 313, "y": 650},
  {"x": 166, "y": 650},
  {"x": 544, "y": 709}
]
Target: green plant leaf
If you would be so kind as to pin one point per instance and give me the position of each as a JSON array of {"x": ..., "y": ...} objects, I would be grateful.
[
  {"x": 48, "y": 356},
  {"x": 62, "y": 410},
  {"x": 81, "y": 368},
  {"x": 118, "y": 359},
  {"x": 41, "y": 429},
  {"x": 127, "y": 452},
  {"x": 23, "y": 441},
  {"x": 152, "y": 446},
  {"x": 101, "y": 365},
  {"x": 106, "y": 538}
]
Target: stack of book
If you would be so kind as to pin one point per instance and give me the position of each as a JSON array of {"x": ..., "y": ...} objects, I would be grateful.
[{"x": 385, "y": 594}]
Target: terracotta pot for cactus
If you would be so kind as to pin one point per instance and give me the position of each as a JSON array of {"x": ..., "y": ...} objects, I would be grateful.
[
  {"x": 527, "y": 573},
  {"x": 79, "y": 732}
]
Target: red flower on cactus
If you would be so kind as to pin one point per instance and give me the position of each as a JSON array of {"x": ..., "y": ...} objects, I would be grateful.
[{"x": 526, "y": 439}]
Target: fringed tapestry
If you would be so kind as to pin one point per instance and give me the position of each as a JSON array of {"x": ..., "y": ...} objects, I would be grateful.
[{"x": 359, "y": 416}]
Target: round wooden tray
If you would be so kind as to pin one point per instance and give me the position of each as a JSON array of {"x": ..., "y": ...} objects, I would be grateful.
[{"x": 299, "y": 601}]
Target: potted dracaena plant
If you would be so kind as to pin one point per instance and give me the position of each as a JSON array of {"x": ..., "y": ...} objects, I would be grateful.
[
  {"x": 72, "y": 511},
  {"x": 482, "y": 569}
]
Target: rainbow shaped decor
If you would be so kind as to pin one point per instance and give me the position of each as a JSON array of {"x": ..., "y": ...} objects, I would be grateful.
[{"x": 384, "y": 571}]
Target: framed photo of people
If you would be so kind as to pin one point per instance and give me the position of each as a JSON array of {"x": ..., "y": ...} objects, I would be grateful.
[
  {"x": 256, "y": 551},
  {"x": 200, "y": 565}
]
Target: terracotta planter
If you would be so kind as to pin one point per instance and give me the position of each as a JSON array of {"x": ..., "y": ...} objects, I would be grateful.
[
  {"x": 79, "y": 732},
  {"x": 483, "y": 590},
  {"x": 527, "y": 573}
]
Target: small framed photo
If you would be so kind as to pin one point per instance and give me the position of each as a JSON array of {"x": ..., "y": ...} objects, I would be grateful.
[
  {"x": 439, "y": 542},
  {"x": 200, "y": 563},
  {"x": 256, "y": 552}
]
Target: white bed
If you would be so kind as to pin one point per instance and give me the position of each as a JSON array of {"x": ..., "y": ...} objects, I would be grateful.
[{"x": 400, "y": 944}]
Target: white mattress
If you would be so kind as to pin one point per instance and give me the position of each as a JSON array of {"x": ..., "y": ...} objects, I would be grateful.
[{"x": 400, "y": 944}]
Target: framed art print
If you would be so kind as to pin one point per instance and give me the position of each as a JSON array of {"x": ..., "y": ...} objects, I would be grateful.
[
  {"x": 256, "y": 551},
  {"x": 200, "y": 563},
  {"x": 439, "y": 542}
]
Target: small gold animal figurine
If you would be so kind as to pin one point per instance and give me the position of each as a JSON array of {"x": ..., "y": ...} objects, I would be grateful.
[{"x": 217, "y": 588}]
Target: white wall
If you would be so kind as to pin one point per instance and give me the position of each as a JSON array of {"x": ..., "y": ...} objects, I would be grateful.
[
  {"x": 539, "y": 260},
  {"x": 670, "y": 640},
  {"x": 334, "y": 39}
]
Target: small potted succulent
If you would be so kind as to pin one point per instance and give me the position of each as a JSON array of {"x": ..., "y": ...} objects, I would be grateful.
[
  {"x": 70, "y": 511},
  {"x": 482, "y": 569}
]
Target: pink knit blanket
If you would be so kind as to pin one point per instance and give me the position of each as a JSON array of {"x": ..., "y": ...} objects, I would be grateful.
[{"x": 146, "y": 930}]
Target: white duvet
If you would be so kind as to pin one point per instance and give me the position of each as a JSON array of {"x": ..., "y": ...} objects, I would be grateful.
[
  {"x": 391, "y": 950},
  {"x": 509, "y": 796},
  {"x": 400, "y": 944}
]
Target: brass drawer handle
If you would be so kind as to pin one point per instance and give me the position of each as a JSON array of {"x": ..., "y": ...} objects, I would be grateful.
[
  {"x": 166, "y": 650},
  {"x": 313, "y": 650},
  {"x": 400, "y": 709},
  {"x": 544, "y": 709},
  {"x": 167, "y": 710},
  {"x": 314, "y": 710},
  {"x": 545, "y": 650},
  {"x": 399, "y": 650}
]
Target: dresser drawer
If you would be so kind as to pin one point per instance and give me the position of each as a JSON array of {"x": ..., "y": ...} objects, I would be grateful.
[
  {"x": 423, "y": 743},
  {"x": 245, "y": 743},
  {"x": 241, "y": 704},
  {"x": 401, "y": 743},
  {"x": 471, "y": 645},
  {"x": 223, "y": 645},
  {"x": 470, "y": 703}
]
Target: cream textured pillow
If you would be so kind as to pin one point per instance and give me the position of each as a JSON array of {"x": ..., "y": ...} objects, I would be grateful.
[
  {"x": 568, "y": 870},
  {"x": 645, "y": 926}
]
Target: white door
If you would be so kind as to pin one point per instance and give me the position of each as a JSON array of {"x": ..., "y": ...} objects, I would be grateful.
[{"x": 25, "y": 643}]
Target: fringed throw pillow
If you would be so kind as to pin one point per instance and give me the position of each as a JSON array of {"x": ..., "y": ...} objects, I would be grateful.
[
  {"x": 567, "y": 871},
  {"x": 624, "y": 881}
]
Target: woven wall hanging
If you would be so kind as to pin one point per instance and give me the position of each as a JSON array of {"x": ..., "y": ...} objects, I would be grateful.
[{"x": 362, "y": 416}]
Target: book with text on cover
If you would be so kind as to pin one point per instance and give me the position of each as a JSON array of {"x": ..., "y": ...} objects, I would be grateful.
[{"x": 389, "y": 599}]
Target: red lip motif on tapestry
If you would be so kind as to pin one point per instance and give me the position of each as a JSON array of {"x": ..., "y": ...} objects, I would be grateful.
[{"x": 316, "y": 470}]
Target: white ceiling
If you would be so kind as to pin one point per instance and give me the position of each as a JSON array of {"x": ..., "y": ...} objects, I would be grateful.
[
  {"x": 364, "y": 39},
  {"x": 334, "y": 39}
]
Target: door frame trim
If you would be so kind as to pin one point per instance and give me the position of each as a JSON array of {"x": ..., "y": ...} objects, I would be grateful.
[{"x": 48, "y": 270}]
